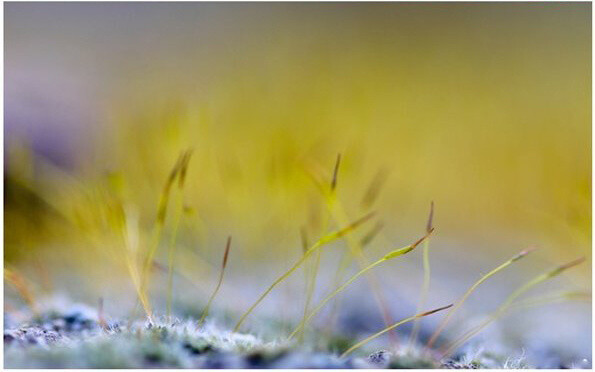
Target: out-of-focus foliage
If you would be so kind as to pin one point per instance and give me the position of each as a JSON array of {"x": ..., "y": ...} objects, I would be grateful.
[{"x": 483, "y": 108}]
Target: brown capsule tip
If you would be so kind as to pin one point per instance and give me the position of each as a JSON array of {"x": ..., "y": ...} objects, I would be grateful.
[
  {"x": 435, "y": 310},
  {"x": 420, "y": 240},
  {"x": 523, "y": 253},
  {"x": 304, "y": 238},
  {"x": 226, "y": 254},
  {"x": 161, "y": 215},
  {"x": 571, "y": 264},
  {"x": 336, "y": 172},
  {"x": 558, "y": 270},
  {"x": 363, "y": 219},
  {"x": 184, "y": 167},
  {"x": 174, "y": 171},
  {"x": 429, "y": 226},
  {"x": 356, "y": 223},
  {"x": 371, "y": 234},
  {"x": 158, "y": 266},
  {"x": 374, "y": 188},
  {"x": 349, "y": 228}
]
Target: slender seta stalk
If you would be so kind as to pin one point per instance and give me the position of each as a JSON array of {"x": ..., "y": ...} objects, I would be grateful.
[
  {"x": 345, "y": 260},
  {"x": 426, "y": 281},
  {"x": 469, "y": 291},
  {"x": 172, "y": 243},
  {"x": 221, "y": 272},
  {"x": 13, "y": 277},
  {"x": 311, "y": 279},
  {"x": 551, "y": 298},
  {"x": 388, "y": 256},
  {"x": 366, "y": 340},
  {"x": 177, "y": 172},
  {"x": 321, "y": 242},
  {"x": 357, "y": 253},
  {"x": 340, "y": 217},
  {"x": 508, "y": 302},
  {"x": 171, "y": 256},
  {"x": 159, "y": 224}
]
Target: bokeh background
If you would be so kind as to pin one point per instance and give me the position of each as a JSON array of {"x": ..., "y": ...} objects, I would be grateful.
[{"x": 484, "y": 109}]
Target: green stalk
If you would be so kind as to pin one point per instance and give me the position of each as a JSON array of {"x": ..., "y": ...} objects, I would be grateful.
[
  {"x": 172, "y": 243},
  {"x": 358, "y": 255},
  {"x": 540, "y": 300},
  {"x": 321, "y": 242},
  {"x": 306, "y": 319},
  {"x": 391, "y": 255},
  {"x": 159, "y": 224},
  {"x": 171, "y": 258},
  {"x": 424, "y": 293},
  {"x": 311, "y": 283},
  {"x": 368, "y": 339},
  {"x": 343, "y": 264},
  {"x": 130, "y": 236},
  {"x": 509, "y": 300},
  {"x": 307, "y": 269},
  {"x": 275, "y": 283},
  {"x": 426, "y": 281},
  {"x": 339, "y": 215},
  {"x": 221, "y": 272},
  {"x": 469, "y": 291}
]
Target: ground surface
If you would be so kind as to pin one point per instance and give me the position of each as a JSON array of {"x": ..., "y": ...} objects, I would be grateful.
[{"x": 77, "y": 339}]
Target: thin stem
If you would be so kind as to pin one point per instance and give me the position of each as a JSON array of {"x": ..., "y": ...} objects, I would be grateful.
[
  {"x": 219, "y": 282},
  {"x": 426, "y": 281},
  {"x": 171, "y": 257},
  {"x": 392, "y": 254},
  {"x": 557, "y": 297},
  {"x": 368, "y": 339},
  {"x": 508, "y": 301},
  {"x": 183, "y": 168},
  {"x": 16, "y": 279},
  {"x": 311, "y": 281},
  {"x": 159, "y": 224},
  {"x": 424, "y": 292},
  {"x": 469, "y": 291},
  {"x": 340, "y": 217},
  {"x": 270, "y": 288},
  {"x": 321, "y": 242},
  {"x": 311, "y": 286},
  {"x": 357, "y": 253},
  {"x": 155, "y": 239},
  {"x": 331, "y": 295},
  {"x": 130, "y": 236},
  {"x": 513, "y": 306},
  {"x": 343, "y": 264}
]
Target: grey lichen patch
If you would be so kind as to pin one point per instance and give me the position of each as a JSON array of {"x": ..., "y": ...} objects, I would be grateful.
[{"x": 73, "y": 338}]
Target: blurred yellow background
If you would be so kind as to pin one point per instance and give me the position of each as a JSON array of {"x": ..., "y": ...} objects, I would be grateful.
[{"x": 484, "y": 109}]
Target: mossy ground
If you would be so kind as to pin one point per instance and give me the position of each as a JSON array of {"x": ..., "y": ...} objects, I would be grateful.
[{"x": 75, "y": 339}]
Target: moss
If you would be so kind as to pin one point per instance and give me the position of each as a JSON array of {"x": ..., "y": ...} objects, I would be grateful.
[
  {"x": 167, "y": 343},
  {"x": 410, "y": 362}
]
